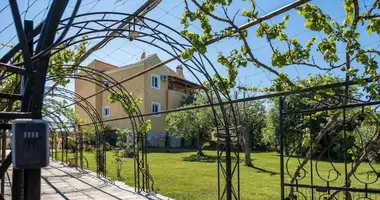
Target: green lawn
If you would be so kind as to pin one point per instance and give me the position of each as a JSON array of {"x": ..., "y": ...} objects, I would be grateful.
[{"x": 178, "y": 176}]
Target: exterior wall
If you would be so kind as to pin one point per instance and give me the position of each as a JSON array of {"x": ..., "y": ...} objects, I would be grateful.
[
  {"x": 85, "y": 89},
  {"x": 164, "y": 96},
  {"x": 175, "y": 99},
  {"x": 156, "y": 95},
  {"x": 101, "y": 66},
  {"x": 138, "y": 87},
  {"x": 135, "y": 87},
  {"x": 168, "y": 99},
  {"x": 178, "y": 88}
]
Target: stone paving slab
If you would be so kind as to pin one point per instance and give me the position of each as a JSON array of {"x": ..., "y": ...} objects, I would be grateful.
[{"x": 63, "y": 182}]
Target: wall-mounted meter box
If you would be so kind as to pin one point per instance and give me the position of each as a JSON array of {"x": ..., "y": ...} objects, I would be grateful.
[{"x": 30, "y": 143}]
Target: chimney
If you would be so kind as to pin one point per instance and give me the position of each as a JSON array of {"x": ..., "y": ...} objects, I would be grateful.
[
  {"x": 179, "y": 71},
  {"x": 143, "y": 55}
]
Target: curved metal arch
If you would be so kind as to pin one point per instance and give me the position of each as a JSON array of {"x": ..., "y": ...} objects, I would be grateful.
[
  {"x": 136, "y": 139},
  {"x": 100, "y": 149},
  {"x": 143, "y": 19},
  {"x": 123, "y": 101},
  {"x": 228, "y": 172},
  {"x": 89, "y": 77},
  {"x": 94, "y": 116},
  {"x": 64, "y": 130},
  {"x": 194, "y": 61},
  {"x": 54, "y": 122},
  {"x": 136, "y": 31},
  {"x": 86, "y": 105},
  {"x": 53, "y": 132},
  {"x": 62, "y": 125}
]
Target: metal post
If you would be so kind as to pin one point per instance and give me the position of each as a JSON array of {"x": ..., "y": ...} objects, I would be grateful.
[
  {"x": 32, "y": 190},
  {"x": 80, "y": 147},
  {"x": 228, "y": 166},
  {"x": 3, "y": 152},
  {"x": 311, "y": 157},
  {"x": 55, "y": 145},
  {"x": 18, "y": 175},
  {"x": 32, "y": 177},
  {"x": 66, "y": 146},
  {"x": 77, "y": 141},
  {"x": 16, "y": 184},
  {"x": 62, "y": 147},
  {"x": 281, "y": 142}
]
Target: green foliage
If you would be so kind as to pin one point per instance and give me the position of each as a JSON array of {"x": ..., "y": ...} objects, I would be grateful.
[
  {"x": 193, "y": 123},
  {"x": 123, "y": 145},
  {"x": 89, "y": 134},
  {"x": 332, "y": 35},
  {"x": 145, "y": 127},
  {"x": 62, "y": 63},
  {"x": 272, "y": 32},
  {"x": 374, "y": 26},
  {"x": 67, "y": 56},
  {"x": 250, "y": 116},
  {"x": 130, "y": 106},
  {"x": 232, "y": 63},
  {"x": 300, "y": 129},
  {"x": 296, "y": 126},
  {"x": 271, "y": 129},
  {"x": 328, "y": 49},
  {"x": 347, "y": 34},
  {"x": 315, "y": 18}
]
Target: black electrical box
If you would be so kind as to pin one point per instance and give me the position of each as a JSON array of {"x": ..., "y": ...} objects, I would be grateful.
[{"x": 30, "y": 143}]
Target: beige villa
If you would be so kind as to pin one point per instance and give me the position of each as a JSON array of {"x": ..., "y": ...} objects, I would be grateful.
[{"x": 160, "y": 89}]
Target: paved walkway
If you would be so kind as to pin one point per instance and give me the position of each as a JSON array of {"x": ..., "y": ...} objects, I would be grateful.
[{"x": 62, "y": 182}]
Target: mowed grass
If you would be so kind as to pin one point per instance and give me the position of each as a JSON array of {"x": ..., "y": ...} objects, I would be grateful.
[{"x": 178, "y": 175}]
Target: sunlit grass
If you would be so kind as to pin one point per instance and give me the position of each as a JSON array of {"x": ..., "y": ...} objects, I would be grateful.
[{"x": 179, "y": 174}]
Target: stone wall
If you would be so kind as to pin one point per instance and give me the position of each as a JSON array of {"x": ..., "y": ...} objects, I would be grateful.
[{"x": 158, "y": 139}]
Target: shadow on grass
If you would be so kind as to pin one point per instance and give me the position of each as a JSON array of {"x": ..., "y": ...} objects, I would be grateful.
[
  {"x": 259, "y": 169},
  {"x": 204, "y": 158},
  {"x": 170, "y": 150},
  {"x": 213, "y": 159},
  {"x": 323, "y": 159},
  {"x": 208, "y": 159}
]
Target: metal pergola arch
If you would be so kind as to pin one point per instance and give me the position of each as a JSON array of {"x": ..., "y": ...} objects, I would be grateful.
[
  {"x": 96, "y": 77},
  {"x": 228, "y": 189},
  {"x": 228, "y": 171},
  {"x": 91, "y": 112},
  {"x": 308, "y": 180}
]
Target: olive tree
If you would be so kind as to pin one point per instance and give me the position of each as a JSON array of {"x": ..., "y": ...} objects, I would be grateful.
[
  {"x": 192, "y": 123},
  {"x": 357, "y": 63}
]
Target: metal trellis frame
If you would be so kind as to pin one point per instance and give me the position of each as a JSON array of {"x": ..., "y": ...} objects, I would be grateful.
[
  {"x": 35, "y": 69},
  {"x": 315, "y": 133}
]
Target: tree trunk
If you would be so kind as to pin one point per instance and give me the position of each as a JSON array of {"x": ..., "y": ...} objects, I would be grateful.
[
  {"x": 246, "y": 147},
  {"x": 200, "y": 152},
  {"x": 330, "y": 124},
  {"x": 199, "y": 145},
  {"x": 371, "y": 146}
]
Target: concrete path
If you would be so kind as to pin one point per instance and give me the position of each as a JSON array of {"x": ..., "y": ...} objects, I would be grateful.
[{"x": 62, "y": 182}]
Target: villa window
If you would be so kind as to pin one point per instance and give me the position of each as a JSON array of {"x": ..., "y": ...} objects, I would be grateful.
[
  {"x": 156, "y": 107},
  {"x": 106, "y": 111},
  {"x": 155, "y": 81},
  {"x": 105, "y": 84}
]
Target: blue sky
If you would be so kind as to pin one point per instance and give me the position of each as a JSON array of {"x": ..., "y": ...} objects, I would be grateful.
[{"x": 120, "y": 51}]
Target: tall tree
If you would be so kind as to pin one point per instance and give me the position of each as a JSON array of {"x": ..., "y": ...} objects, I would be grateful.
[
  {"x": 193, "y": 123},
  {"x": 250, "y": 117},
  {"x": 356, "y": 63}
]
